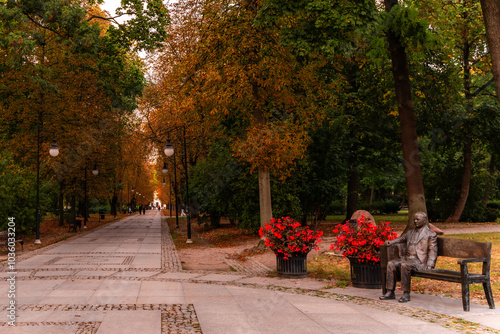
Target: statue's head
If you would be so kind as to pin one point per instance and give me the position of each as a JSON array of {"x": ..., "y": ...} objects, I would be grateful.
[{"x": 420, "y": 219}]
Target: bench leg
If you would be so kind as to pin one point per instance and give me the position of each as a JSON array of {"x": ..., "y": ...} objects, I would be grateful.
[
  {"x": 384, "y": 281},
  {"x": 465, "y": 297},
  {"x": 489, "y": 294}
]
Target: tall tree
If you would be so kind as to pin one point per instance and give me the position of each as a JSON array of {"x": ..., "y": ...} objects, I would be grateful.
[
  {"x": 460, "y": 35},
  {"x": 239, "y": 76},
  {"x": 74, "y": 79},
  {"x": 491, "y": 16},
  {"x": 407, "y": 119}
]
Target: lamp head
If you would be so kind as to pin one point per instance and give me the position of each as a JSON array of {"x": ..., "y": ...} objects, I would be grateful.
[
  {"x": 169, "y": 149},
  {"x": 54, "y": 150}
]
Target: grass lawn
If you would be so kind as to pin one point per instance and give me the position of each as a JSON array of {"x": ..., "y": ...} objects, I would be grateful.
[
  {"x": 400, "y": 217},
  {"x": 337, "y": 270}
]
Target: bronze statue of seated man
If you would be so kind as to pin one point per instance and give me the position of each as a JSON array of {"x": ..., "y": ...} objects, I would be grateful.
[{"x": 421, "y": 254}]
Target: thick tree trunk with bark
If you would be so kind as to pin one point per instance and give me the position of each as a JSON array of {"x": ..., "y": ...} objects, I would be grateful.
[
  {"x": 465, "y": 185},
  {"x": 409, "y": 139},
  {"x": 491, "y": 15},
  {"x": 265, "y": 204},
  {"x": 266, "y": 211}
]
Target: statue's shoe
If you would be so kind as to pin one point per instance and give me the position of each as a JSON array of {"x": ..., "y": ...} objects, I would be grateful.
[
  {"x": 388, "y": 295},
  {"x": 405, "y": 298}
]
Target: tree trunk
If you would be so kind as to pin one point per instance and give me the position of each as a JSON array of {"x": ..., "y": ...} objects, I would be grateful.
[
  {"x": 459, "y": 206},
  {"x": 113, "y": 203},
  {"x": 491, "y": 170},
  {"x": 61, "y": 204},
  {"x": 266, "y": 211},
  {"x": 372, "y": 193},
  {"x": 491, "y": 16},
  {"x": 407, "y": 119},
  {"x": 352, "y": 193},
  {"x": 73, "y": 208},
  {"x": 454, "y": 217}
]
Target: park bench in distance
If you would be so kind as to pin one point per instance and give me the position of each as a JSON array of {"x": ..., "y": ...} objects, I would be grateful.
[
  {"x": 4, "y": 239},
  {"x": 466, "y": 251}
]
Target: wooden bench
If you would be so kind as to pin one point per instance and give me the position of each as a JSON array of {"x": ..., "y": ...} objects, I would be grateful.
[
  {"x": 73, "y": 226},
  {"x": 4, "y": 239},
  {"x": 465, "y": 251}
]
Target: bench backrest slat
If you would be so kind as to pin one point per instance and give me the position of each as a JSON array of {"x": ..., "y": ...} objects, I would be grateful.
[
  {"x": 460, "y": 248},
  {"x": 448, "y": 247}
]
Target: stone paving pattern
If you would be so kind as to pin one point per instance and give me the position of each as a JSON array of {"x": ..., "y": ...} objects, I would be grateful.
[{"x": 126, "y": 277}]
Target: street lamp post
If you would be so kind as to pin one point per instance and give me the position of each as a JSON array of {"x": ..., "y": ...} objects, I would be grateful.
[
  {"x": 132, "y": 199},
  {"x": 170, "y": 194},
  {"x": 169, "y": 151},
  {"x": 54, "y": 152},
  {"x": 121, "y": 196},
  {"x": 164, "y": 171},
  {"x": 188, "y": 208}
]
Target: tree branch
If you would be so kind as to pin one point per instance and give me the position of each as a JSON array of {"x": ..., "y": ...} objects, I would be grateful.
[
  {"x": 489, "y": 82},
  {"x": 113, "y": 19},
  {"x": 42, "y": 26}
]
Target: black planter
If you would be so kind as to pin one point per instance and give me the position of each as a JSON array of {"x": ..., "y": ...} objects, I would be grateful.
[
  {"x": 365, "y": 275},
  {"x": 293, "y": 267}
]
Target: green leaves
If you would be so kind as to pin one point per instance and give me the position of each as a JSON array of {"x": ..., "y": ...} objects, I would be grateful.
[
  {"x": 146, "y": 30},
  {"x": 17, "y": 194},
  {"x": 405, "y": 23},
  {"x": 311, "y": 26}
]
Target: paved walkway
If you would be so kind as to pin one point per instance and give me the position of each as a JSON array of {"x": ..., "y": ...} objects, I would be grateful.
[{"x": 126, "y": 277}]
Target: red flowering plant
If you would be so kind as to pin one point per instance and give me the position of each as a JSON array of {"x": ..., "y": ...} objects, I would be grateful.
[
  {"x": 288, "y": 238},
  {"x": 362, "y": 240}
]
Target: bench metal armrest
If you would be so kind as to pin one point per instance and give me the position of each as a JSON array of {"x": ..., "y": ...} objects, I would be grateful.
[{"x": 465, "y": 261}]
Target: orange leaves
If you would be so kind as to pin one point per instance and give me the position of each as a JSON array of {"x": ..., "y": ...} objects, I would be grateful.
[
  {"x": 274, "y": 147},
  {"x": 220, "y": 74}
]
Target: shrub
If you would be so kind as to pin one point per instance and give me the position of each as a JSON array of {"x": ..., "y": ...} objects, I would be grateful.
[
  {"x": 388, "y": 206},
  {"x": 493, "y": 205},
  {"x": 337, "y": 208}
]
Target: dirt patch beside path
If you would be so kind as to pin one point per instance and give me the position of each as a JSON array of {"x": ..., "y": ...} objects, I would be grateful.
[{"x": 212, "y": 247}]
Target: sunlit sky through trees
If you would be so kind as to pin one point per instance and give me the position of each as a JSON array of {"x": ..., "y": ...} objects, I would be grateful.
[{"x": 110, "y": 6}]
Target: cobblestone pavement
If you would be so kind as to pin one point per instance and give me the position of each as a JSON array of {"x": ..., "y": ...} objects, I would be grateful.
[
  {"x": 126, "y": 277},
  {"x": 133, "y": 249}
]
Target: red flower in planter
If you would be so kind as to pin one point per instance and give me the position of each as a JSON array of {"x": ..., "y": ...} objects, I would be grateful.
[
  {"x": 362, "y": 241},
  {"x": 287, "y": 237}
]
